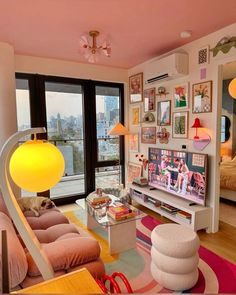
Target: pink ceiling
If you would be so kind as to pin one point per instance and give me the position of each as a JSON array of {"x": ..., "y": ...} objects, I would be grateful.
[{"x": 138, "y": 29}]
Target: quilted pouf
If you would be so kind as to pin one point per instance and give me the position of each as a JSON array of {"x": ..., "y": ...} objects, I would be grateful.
[{"x": 174, "y": 256}]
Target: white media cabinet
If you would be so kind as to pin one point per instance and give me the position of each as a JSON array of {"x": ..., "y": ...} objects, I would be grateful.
[{"x": 153, "y": 199}]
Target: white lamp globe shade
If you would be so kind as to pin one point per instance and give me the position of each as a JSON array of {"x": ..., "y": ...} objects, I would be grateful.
[{"x": 36, "y": 165}]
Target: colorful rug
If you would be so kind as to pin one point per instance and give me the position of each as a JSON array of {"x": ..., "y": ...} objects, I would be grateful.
[{"x": 216, "y": 275}]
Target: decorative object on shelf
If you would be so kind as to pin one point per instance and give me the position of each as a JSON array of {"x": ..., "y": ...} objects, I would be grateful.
[
  {"x": 142, "y": 159},
  {"x": 134, "y": 143},
  {"x": 119, "y": 130},
  {"x": 203, "y": 55},
  {"x": 133, "y": 171},
  {"x": 224, "y": 45},
  {"x": 135, "y": 115},
  {"x": 163, "y": 135},
  {"x": 200, "y": 142},
  {"x": 149, "y": 99},
  {"x": 202, "y": 97},
  {"x": 181, "y": 95},
  {"x": 180, "y": 125},
  {"x": 148, "y": 118},
  {"x": 164, "y": 113},
  {"x": 148, "y": 135},
  {"x": 136, "y": 88},
  {"x": 161, "y": 91},
  {"x": 92, "y": 50},
  {"x": 232, "y": 88}
]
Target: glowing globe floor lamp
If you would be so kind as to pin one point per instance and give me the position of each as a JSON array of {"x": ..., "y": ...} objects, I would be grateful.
[{"x": 35, "y": 166}]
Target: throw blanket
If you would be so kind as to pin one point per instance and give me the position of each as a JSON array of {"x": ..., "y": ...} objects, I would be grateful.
[{"x": 228, "y": 175}]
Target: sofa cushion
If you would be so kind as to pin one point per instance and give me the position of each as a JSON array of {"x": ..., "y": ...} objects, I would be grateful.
[
  {"x": 55, "y": 232},
  {"x": 47, "y": 218},
  {"x": 16, "y": 255},
  {"x": 67, "y": 253}
]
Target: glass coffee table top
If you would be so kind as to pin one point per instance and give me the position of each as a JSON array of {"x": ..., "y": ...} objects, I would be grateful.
[{"x": 100, "y": 213}]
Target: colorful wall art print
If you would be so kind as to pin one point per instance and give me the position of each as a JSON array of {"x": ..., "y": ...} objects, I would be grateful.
[
  {"x": 148, "y": 135},
  {"x": 202, "y": 96},
  {"x": 163, "y": 113},
  {"x": 136, "y": 88},
  {"x": 135, "y": 113},
  {"x": 181, "y": 96},
  {"x": 180, "y": 125},
  {"x": 133, "y": 143},
  {"x": 149, "y": 99}
]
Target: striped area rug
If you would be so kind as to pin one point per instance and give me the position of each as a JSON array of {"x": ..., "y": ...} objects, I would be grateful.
[{"x": 216, "y": 275}]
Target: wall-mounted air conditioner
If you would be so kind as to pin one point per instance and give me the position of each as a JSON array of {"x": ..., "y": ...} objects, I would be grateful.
[{"x": 169, "y": 67}]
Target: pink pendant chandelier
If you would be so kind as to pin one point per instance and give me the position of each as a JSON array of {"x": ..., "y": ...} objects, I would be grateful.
[{"x": 91, "y": 50}]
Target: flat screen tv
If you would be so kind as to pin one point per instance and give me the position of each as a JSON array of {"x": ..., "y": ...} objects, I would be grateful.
[{"x": 183, "y": 174}]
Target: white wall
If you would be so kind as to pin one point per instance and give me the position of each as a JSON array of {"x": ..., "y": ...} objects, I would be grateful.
[{"x": 209, "y": 120}]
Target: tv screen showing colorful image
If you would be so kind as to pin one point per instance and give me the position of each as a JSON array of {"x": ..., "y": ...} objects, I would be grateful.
[{"x": 183, "y": 174}]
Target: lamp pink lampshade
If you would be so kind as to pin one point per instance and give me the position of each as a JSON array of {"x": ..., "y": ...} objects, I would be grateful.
[{"x": 197, "y": 124}]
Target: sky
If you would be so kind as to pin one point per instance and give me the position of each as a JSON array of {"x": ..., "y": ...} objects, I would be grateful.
[{"x": 57, "y": 102}]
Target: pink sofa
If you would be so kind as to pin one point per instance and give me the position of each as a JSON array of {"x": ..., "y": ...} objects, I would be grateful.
[{"x": 67, "y": 247}]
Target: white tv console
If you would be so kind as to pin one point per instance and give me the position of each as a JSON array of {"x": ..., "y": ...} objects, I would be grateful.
[{"x": 153, "y": 199}]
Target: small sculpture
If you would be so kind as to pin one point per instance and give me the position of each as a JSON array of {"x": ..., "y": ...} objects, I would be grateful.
[
  {"x": 224, "y": 45},
  {"x": 148, "y": 118}
]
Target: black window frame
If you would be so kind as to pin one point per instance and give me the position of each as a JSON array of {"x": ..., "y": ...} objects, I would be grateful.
[{"x": 38, "y": 118}]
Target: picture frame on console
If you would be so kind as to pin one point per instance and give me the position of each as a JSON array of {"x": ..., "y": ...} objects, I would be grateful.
[{"x": 133, "y": 171}]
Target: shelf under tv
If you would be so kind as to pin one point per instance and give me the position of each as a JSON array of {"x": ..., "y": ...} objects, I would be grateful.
[{"x": 153, "y": 199}]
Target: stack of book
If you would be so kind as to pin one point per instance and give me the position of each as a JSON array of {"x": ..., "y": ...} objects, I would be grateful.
[
  {"x": 95, "y": 200},
  {"x": 184, "y": 216},
  {"x": 168, "y": 208},
  {"x": 120, "y": 212}
]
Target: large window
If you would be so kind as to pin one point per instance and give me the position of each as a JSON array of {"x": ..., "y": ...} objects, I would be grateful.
[{"x": 78, "y": 115}]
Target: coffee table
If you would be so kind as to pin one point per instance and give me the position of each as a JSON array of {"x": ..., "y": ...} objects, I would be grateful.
[{"x": 122, "y": 233}]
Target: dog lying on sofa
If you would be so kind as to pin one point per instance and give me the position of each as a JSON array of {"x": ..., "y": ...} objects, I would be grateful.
[{"x": 35, "y": 204}]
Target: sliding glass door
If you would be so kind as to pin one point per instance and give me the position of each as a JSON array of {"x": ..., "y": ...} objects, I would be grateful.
[{"x": 78, "y": 115}]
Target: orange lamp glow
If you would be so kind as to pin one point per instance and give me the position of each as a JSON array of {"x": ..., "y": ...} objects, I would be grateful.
[
  {"x": 119, "y": 129},
  {"x": 36, "y": 165},
  {"x": 232, "y": 88}
]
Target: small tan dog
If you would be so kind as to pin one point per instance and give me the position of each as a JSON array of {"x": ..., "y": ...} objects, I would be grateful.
[{"x": 35, "y": 204}]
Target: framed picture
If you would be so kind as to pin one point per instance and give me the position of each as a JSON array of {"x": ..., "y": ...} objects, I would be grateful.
[
  {"x": 148, "y": 135},
  {"x": 163, "y": 113},
  {"x": 133, "y": 171},
  {"x": 136, "y": 88},
  {"x": 180, "y": 125},
  {"x": 133, "y": 143},
  {"x": 149, "y": 96},
  {"x": 203, "y": 55},
  {"x": 202, "y": 97},
  {"x": 135, "y": 115},
  {"x": 181, "y": 95}
]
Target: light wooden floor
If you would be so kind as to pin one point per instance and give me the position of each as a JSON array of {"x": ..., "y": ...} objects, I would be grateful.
[{"x": 222, "y": 243}]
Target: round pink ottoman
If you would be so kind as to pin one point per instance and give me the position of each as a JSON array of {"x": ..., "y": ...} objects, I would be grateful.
[{"x": 174, "y": 256}]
